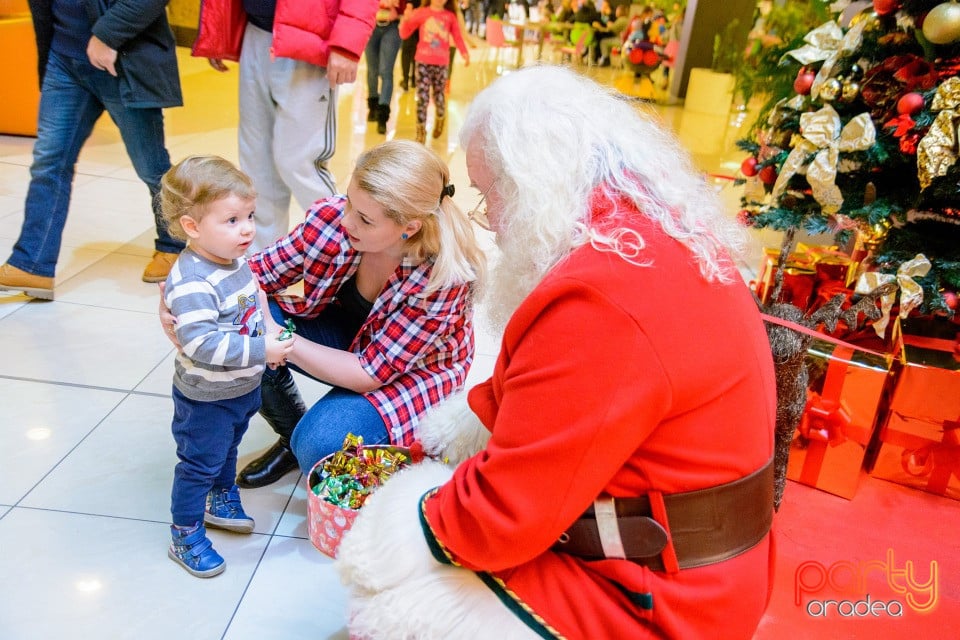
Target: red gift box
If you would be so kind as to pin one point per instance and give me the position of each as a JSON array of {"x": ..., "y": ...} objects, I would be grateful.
[
  {"x": 806, "y": 271},
  {"x": 920, "y": 442},
  {"x": 797, "y": 266},
  {"x": 844, "y": 403}
]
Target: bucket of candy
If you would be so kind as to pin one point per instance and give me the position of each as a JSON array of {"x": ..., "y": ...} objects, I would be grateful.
[{"x": 340, "y": 483}]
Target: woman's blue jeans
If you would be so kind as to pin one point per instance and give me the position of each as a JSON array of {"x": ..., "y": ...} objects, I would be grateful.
[
  {"x": 318, "y": 431},
  {"x": 381, "y": 53},
  {"x": 74, "y": 96}
]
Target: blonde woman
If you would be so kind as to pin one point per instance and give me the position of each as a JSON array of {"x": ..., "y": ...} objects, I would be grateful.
[{"x": 388, "y": 272}]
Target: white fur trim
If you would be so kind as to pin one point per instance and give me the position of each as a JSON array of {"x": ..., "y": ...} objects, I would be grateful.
[
  {"x": 397, "y": 590},
  {"x": 451, "y": 603},
  {"x": 451, "y": 431},
  {"x": 385, "y": 546}
]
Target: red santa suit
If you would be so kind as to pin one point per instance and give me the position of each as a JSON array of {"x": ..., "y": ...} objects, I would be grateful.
[
  {"x": 612, "y": 378},
  {"x": 625, "y": 380}
]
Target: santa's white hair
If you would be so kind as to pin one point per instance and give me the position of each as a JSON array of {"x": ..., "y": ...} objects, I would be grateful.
[{"x": 551, "y": 138}]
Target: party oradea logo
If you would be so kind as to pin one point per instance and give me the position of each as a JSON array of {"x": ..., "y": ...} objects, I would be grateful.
[{"x": 866, "y": 588}]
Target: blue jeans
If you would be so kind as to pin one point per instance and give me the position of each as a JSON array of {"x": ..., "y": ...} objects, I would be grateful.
[
  {"x": 207, "y": 436},
  {"x": 381, "y": 53},
  {"x": 74, "y": 96},
  {"x": 319, "y": 431}
]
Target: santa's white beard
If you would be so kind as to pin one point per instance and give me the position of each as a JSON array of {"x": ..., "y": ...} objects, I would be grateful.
[{"x": 511, "y": 279}]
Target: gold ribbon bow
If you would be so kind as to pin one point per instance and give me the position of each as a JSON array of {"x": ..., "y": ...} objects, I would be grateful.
[
  {"x": 937, "y": 151},
  {"x": 822, "y": 134},
  {"x": 828, "y": 43},
  {"x": 911, "y": 293},
  {"x": 821, "y": 43}
]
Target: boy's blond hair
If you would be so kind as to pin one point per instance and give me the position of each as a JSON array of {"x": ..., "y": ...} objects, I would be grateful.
[{"x": 195, "y": 182}]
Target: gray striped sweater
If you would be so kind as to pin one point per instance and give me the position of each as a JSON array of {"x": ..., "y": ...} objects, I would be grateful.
[{"x": 219, "y": 325}]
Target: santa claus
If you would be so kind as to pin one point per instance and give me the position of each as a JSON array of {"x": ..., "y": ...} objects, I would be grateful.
[{"x": 612, "y": 478}]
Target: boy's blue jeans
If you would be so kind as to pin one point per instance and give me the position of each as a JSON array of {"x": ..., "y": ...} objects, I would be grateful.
[
  {"x": 207, "y": 434},
  {"x": 318, "y": 431},
  {"x": 74, "y": 96}
]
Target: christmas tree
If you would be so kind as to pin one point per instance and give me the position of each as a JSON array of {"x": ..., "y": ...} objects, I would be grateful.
[{"x": 865, "y": 146}]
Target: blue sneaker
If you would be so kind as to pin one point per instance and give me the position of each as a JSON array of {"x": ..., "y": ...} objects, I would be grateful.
[
  {"x": 193, "y": 551},
  {"x": 224, "y": 511}
]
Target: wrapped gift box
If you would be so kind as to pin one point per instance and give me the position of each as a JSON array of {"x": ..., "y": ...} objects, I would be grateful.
[
  {"x": 806, "y": 271},
  {"x": 920, "y": 442},
  {"x": 848, "y": 390},
  {"x": 799, "y": 268}
]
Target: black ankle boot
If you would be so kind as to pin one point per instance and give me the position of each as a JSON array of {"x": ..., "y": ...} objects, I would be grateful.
[
  {"x": 372, "y": 108},
  {"x": 383, "y": 114},
  {"x": 277, "y": 462}
]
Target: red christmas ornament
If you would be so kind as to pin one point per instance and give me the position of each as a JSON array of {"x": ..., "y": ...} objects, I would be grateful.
[
  {"x": 910, "y": 104},
  {"x": 804, "y": 82},
  {"x": 768, "y": 175},
  {"x": 950, "y": 299},
  {"x": 745, "y": 218},
  {"x": 749, "y": 167},
  {"x": 886, "y": 7}
]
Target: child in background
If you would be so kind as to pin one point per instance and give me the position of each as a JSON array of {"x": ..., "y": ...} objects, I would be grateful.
[
  {"x": 467, "y": 37},
  {"x": 209, "y": 203},
  {"x": 437, "y": 23}
]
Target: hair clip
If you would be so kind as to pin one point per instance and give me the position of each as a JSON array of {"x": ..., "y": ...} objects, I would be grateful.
[{"x": 448, "y": 190}]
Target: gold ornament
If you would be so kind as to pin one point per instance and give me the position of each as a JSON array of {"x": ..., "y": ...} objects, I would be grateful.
[
  {"x": 937, "y": 150},
  {"x": 830, "y": 90},
  {"x": 942, "y": 24},
  {"x": 823, "y": 135},
  {"x": 849, "y": 91},
  {"x": 869, "y": 18}
]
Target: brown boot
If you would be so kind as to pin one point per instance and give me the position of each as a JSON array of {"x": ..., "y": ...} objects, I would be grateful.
[
  {"x": 159, "y": 266},
  {"x": 438, "y": 127},
  {"x": 421, "y": 133},
  {"x": 13, "y": 279}
]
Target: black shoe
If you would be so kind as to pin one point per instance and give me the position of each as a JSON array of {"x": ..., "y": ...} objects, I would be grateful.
[
  {"x": 383, "y": 115},
  {"x": 277, "y": 462}
]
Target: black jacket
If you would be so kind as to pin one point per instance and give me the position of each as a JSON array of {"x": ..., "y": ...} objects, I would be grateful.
[{"x": 146, "y": 50}]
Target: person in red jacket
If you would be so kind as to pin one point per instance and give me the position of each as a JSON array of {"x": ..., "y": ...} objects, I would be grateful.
[
  {"x": 437, "y": 23},
  {"x": 613, "y": 478},
  {"x": 293, "y": 56}
]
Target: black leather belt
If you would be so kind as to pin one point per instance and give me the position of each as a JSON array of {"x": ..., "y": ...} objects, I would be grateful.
[{"x": 705, "y": 526}]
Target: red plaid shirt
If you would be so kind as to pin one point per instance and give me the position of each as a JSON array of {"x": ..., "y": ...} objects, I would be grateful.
[{"x": 418, "y": 346}]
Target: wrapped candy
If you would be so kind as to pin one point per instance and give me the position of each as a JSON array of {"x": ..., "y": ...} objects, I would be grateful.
[
  {"x": 348, "y": 477},
  {"x": 287, "y": 332},
  {"x": 341, "y": 483}
]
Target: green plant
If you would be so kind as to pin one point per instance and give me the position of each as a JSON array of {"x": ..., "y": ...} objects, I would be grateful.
[
  {"x": 762, "y": 69},
  {"x": 726, "y": 48}
]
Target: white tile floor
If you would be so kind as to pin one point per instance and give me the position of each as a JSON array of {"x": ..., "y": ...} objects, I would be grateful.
[{"x": 86, "y": 456}]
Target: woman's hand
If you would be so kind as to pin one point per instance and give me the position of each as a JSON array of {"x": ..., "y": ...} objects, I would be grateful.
[{"x": 168, "y": 321}]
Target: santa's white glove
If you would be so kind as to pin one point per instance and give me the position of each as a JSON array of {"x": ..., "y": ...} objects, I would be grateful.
[{"x": 451, "y": 431}]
